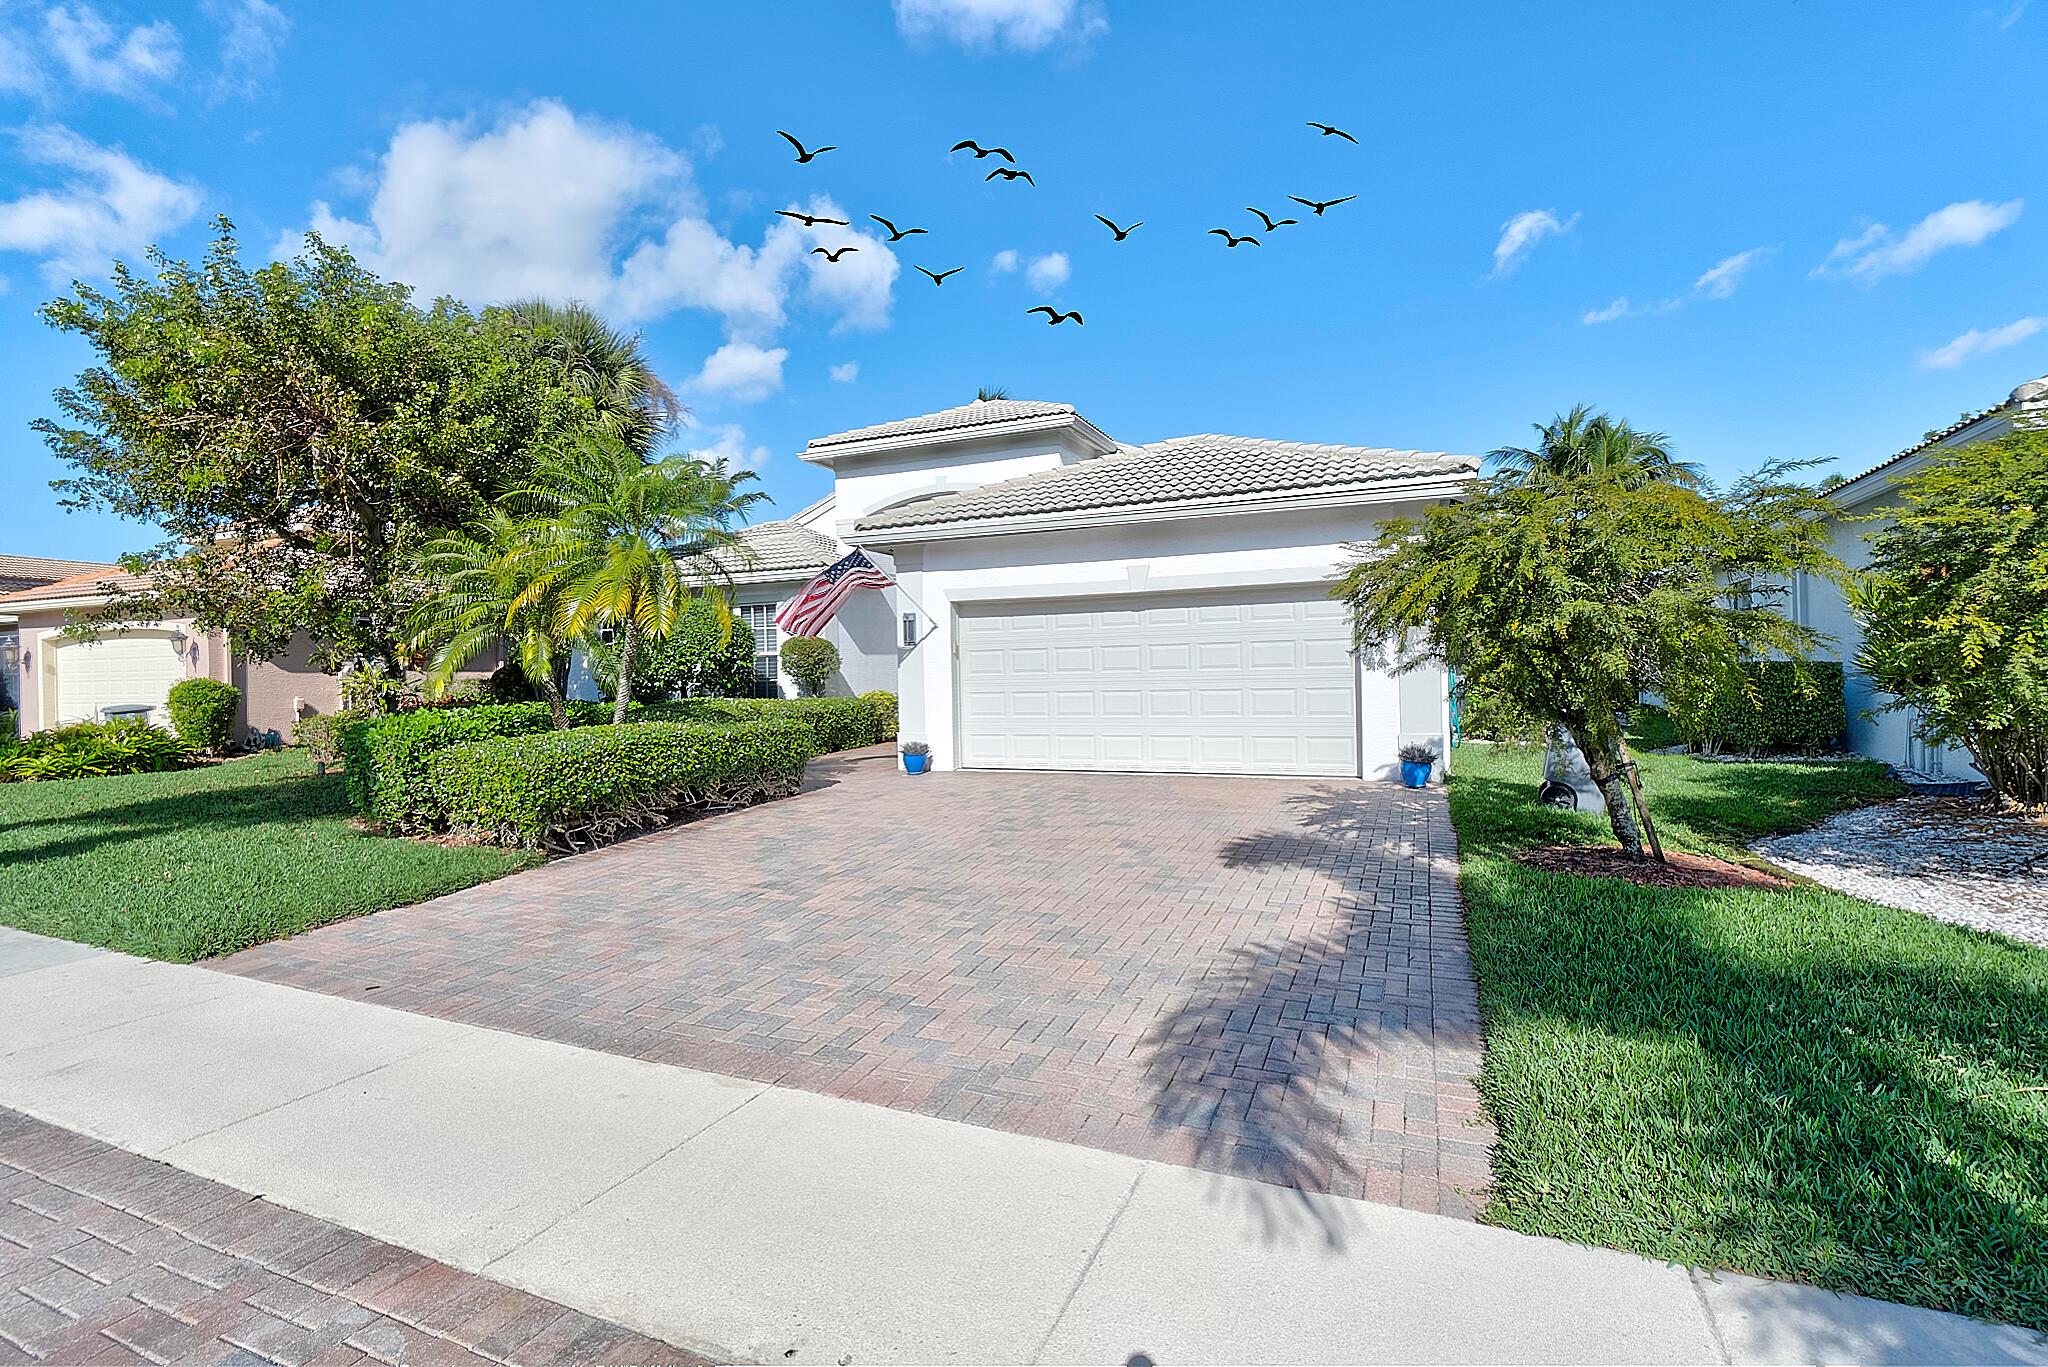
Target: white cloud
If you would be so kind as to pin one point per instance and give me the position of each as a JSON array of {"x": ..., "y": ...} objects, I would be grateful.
[
  {"x": 742, "y": 371},
  {"x": 453, "y": 209},
  {"x": 846, "y": 372},
  {"x": 1877, "y": 251},
  {"x": 100, "y": 58},
  {"x": 1004, "y": 261},
  {"x": 109, "y": 204},
  {"x": 730, "y": 446},
  {"x": 1618, "y": 309},
  {"x": 1980, "y": 342},
  {"x": 1049, "y": 271},
  {"x": 1725, "y": 276},
  {"x": 1520, "y": 234},
  {"x": 1026, "y": 25},
  {"x": 251, "y": 32},
  {"x": 1718, "y": 281},
  {"x": 2013, "y": 15}
]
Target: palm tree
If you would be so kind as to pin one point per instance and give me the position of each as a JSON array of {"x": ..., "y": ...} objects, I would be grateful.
[
  {"x": 623, "y": 542},
  {"x": 604, "y": 366},
  {"x": 1582, "y": 442},
  {"x": 486, "y": 594}
]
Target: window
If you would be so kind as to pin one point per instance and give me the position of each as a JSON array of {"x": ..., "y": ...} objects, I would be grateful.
[{"x": 760, "y": 619}]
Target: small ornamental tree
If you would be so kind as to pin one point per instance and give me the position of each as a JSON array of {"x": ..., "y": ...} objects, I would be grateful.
[
  {"x": 811, "y": 661},
  {"x": 1570, "y": 595},
  {"x": 1954, "y": 608},
  {"x": 710, "y": 654}
]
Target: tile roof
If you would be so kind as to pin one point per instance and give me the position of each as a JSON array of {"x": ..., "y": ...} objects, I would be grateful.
[
  {"x": 780, "y": 548},
  {"x": 1194, "y": 469},
  {"x": 25, "y": 571},
  {"x": 980, "y": 413},
  {"x": 77, "y": 587},
  {"x": 2027, "y": 395}
]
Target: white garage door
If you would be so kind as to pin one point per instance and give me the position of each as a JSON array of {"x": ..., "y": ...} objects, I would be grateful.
[
  {"x": 1185, "y": 683},
  {"x": 134, "y": 669}
]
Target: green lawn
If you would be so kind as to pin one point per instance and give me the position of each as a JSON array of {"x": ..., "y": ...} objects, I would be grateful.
[
  {"x": 1794, "y": 1084},
  {"x": 186, "y": 865}
]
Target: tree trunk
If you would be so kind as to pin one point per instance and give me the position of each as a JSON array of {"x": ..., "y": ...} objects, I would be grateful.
[
  {"x": 1603, "y": 764},
  {"x": 629, "y": 643},
  {"x": 558, "y": 706}
]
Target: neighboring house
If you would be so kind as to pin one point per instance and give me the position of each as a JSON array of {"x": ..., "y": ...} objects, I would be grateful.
[
  {"x": 1066, "y": 601},
  {"x": 1892, "y": 735},
  {"x": 129, "y": 669},
  {"x": 19, "y": 572}
]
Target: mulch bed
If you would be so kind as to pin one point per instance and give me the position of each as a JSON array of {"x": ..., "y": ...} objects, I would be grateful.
[{"x": 1682, "y": 870}]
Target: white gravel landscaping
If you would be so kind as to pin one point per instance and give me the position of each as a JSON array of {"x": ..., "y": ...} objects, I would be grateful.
[{"x": 1949, "y": 859}]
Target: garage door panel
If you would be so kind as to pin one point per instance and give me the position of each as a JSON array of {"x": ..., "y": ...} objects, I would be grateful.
[
  {"x": 1194, "y": 683},
  {"x": 133, "y": 669}
]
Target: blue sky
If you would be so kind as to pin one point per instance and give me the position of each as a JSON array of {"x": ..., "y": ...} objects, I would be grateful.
[{"x": 1827, "y": 219}]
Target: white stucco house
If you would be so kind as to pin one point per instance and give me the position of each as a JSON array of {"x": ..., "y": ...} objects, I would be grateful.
[
  {"x": 1893, "y": 736},
  {"x": 1068, "y": 601}
]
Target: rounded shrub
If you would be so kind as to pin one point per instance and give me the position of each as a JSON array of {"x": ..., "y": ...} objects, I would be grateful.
[
  {"x": 705, "y": 656},
  {"x": 811, "y": 661},
  {"x": 203, "y": 713}
]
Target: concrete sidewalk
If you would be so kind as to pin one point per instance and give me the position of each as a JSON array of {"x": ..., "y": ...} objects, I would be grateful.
[{"x": 754, "y": 1222}]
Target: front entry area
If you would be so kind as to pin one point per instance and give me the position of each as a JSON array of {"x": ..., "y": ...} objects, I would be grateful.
[{"x": 1237, "y": 682}]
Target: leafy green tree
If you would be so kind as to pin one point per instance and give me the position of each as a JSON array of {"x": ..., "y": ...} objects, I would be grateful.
[
  {"x": 1954, "y": 608},
  {"x": 709, "y": 654},
  {"x": 297, "y": 432},
  {"x": 627, "y": 542},
  {"x": 1572, "y": 595},
  {"x": 1583, "y": 442},
  {"x": 811, "y": 661},
  {"x": 485, "y": 594},
  {"x": 604, "y": 367}
]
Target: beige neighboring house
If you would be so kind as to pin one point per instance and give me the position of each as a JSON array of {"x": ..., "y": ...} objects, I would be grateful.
[
  {"x": 1894, "y": 736},
  {"x": 129, "y": 670}
]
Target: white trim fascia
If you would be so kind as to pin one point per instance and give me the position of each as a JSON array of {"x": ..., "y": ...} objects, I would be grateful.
[
  {"x": 1089, "y": 433},
  {"x": 17, "y": 606},
  {"x": 1128, "y": 514},
  {"x": 1136, "y": 585}
]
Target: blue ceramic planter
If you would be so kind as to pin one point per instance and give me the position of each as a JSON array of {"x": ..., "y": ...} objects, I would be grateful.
[
  {"x": 1414, "y": 774},
  {"x": 916, "y": 764}
]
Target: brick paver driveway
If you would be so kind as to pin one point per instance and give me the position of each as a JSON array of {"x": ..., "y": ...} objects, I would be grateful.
[{"x": 1257, "y": 976}]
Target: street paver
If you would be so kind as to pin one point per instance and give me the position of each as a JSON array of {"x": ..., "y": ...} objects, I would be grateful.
[
  {"x": 109, "y": 1257},
  {"x": 1261, "y": 977}
]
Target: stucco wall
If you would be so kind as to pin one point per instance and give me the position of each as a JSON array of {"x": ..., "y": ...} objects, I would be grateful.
[
  {"x": 867, "y": 483},
  {"x": 1272, "y": 549}
]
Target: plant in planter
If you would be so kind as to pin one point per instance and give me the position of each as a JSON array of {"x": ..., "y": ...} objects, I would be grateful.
[
  {"x": 1417, "y": 761},
  {"x": 917, "y": 757}
]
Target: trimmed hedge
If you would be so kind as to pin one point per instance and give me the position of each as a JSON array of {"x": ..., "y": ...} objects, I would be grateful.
[
  {"x": 834, "y": 723},
  {"x": 203, "y": 712},
  {"x": 570, "y": 790},
  {"x": 1790, "y": 705},
  {"x": 386, "y": 756}
]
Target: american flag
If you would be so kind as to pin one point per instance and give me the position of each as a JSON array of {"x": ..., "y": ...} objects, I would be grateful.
[{"x": 808, "y": 612}]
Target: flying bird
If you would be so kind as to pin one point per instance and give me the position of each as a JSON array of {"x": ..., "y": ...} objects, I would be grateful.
[
  {"x": 1007, "y": 174},
  {"x": 813, "y": 220},
  {"x": 1121, "y": 233},
  {"x": 1321, "y": 204},
  {"x": 970, "y": 145},
  {"x": 1332, "y": 132},
  {"x": 1232, "y": 241},
  {"x": 803, "y": 155},
  {"x": 939, "y": 277},
  {"x": 1267, "y": 219},
  {"x": 832, "y": 256},
  {"x": 1053, "y": 317},
  {"x": 896, "y": 234}
]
